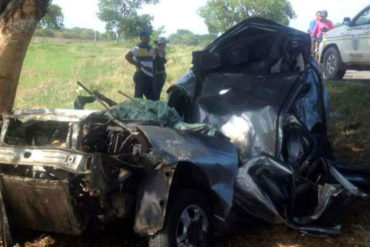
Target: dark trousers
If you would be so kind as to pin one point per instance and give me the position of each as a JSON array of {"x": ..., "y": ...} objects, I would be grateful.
[
  {"x": 158, "y": 85},
  {"x": 143, "y": 86}
]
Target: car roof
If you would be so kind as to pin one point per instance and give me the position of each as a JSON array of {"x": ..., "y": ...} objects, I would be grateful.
[{"x": 256, "y": 23}]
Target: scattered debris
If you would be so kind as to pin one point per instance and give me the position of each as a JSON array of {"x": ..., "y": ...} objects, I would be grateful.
[{"x": 42, "y": 241}]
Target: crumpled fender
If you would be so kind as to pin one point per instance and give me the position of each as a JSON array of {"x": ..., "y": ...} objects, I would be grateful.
[{"x": 217, "y": 158}]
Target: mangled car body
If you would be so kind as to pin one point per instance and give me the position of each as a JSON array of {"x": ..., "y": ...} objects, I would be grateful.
[{"x": 244, "y": 128}]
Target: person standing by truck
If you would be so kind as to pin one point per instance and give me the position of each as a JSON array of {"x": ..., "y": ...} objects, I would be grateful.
[
  {"x": 159, "y": 67},
  {"x": 142, "y": 57},
  {"x": 313, "y": 22},
  {"x": 312, "y": 26},
  {"x": 322, "y": 26}
]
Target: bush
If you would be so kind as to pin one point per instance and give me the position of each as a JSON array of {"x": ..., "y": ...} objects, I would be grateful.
[
  {"x": 74, "y": 33},
  {"x": 45, "y": 33},
  {"x": 186, "y": 37}
]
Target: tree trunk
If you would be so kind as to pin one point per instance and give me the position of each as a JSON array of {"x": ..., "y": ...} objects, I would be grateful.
[{"x": 18, "y": 21}]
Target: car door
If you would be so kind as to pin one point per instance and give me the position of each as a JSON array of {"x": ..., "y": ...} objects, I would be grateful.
[{"x": 358, "y": 46}]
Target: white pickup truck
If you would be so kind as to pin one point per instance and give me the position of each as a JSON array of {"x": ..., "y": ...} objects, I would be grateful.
[{"x": 347, "y": 47}]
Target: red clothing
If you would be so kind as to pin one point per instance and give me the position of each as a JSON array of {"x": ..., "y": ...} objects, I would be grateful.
[{"x": 320, "y": 27}]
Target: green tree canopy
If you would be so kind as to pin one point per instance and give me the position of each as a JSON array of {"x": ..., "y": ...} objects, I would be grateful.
[
  {"x": 131, "y": 27},
  {"x": 220, "y": 15},
  {"x": 53, "y": 18},
  {"x": 120, "y": 15}
]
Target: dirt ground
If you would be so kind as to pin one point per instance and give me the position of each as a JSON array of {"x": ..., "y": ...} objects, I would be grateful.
[
  {"x": 355, "y": 233},
  {"x": 357, "y": 77}
]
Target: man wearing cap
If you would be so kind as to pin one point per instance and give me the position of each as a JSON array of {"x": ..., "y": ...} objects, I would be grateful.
[
  {"x": 142, "y": 57},
  {"x": 159, "y": 67}
]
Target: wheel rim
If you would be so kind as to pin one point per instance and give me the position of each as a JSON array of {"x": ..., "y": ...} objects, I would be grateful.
[
  {"x": 331, "y": 64},
  {"x": 192, "y": 227}
]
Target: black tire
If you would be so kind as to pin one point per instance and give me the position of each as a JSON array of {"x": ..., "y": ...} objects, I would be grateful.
[
  {"x": 185, "y": 201},
  {"x": 333, "y": 66}
]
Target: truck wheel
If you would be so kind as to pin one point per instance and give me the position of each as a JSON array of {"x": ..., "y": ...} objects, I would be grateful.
[
  {"x": 332, "y": 65},
  {"x": 188, "y": 222}
]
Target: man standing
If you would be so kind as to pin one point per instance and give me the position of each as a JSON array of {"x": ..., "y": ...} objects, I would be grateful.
[
  {"x": 311, "y": 28},
  {"x": 142, "y": 57},
  {"x": 313, "y": 22}
]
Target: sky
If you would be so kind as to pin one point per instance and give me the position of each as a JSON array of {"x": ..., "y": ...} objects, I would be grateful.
[{"x": 182, "y": 14}]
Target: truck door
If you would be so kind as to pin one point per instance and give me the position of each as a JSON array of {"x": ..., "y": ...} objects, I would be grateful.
[{"x": 359, "y": 50}]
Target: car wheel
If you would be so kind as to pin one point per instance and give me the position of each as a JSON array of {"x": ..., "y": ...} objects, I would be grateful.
[
  {"x": 188, "y": 222},
  {"x": 332, "y": 65}
]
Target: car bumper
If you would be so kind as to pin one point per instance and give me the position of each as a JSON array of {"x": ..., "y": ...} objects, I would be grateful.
[{"x": 41, "y": 205}]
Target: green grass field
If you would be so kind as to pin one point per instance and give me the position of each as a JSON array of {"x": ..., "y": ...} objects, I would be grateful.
[
  {"x": 350, "y": 121},
  {"x": 51, "y": 70},
  {"x": 49, "y": 78}
]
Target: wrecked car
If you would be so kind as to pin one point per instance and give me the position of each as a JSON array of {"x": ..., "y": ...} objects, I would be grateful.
[{"x": 244, "y": 128}]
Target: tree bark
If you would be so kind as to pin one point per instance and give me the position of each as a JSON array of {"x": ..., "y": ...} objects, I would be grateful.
[{"x": 18, "y": 21}]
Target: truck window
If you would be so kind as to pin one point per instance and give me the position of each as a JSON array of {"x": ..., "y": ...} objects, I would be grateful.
[{"x": 363, "y": 19}]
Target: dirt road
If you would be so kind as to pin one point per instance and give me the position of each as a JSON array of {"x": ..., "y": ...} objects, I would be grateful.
[{"x": 358, "y": 76}]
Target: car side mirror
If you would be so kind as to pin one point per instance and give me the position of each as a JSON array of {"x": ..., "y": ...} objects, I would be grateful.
[
  {"x": 346, "y": 21},
  {"x": 206, "y": 60}
]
